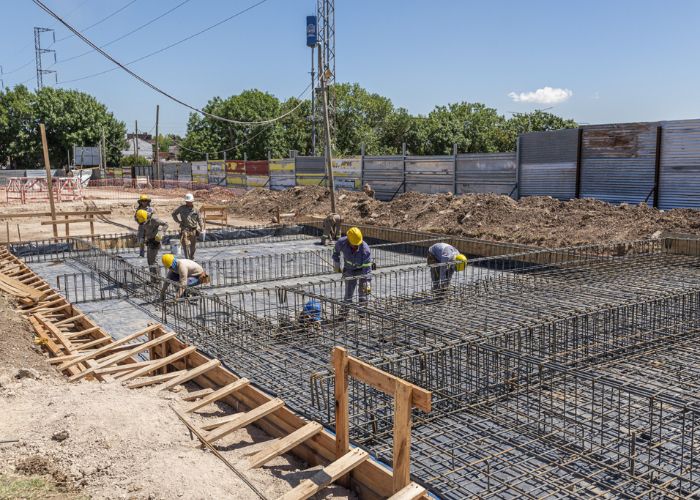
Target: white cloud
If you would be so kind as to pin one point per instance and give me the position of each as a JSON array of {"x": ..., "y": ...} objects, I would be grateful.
[{"x": 545, "y": 95}]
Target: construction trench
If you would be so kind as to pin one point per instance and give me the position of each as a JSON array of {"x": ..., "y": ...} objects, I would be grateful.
[{"x": 570, "y": 372}]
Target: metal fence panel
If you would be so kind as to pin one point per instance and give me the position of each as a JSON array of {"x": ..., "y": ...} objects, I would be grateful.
[
  {"x": 347, "y": 173},
  {"x": 486, "y": 173},
  {"x": 282, "y": 174},
  {"x": 617, "y": 162},
  {"x": 430, "y": 174},
  {"x": 217, "y": 172},
  {"x": 385, "y": 175},
  {"x": 548, "y": 164},
  {"x": 257, "y": 167},
  {"x": 679, "y": 182},
  {"x": 310, "y": 165}
]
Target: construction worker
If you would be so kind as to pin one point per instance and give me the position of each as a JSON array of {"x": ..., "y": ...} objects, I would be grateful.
[
  {"x": 310, "y": 316},
  {"x": 143, "y": 203},
  {"x": 190, "y": 225},
  {"x": 367, "y": 189},
  {"x": 185, "y": 272},
  {"x": 153, "y": 230},
  {"x": 357, "y": 266},
  {"x": 331, "y": 228},
  {"x": 444, "y": 260}
]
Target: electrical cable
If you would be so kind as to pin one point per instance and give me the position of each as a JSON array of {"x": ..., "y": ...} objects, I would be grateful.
[
  {"x": 163, "y": 49},
  {"x": 46, "y": 9}
]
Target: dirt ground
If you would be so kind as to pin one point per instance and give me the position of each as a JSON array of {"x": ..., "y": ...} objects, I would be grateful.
[
  {"x": 92, "y": 440},
  {"x": 539, "y": 220}
]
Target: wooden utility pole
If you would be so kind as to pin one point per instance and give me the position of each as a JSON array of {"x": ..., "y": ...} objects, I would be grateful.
[
  {"x": 327, "y": 128},
  {"x": 156, "y": 169},
  {"x": 136, "y": 152},
  {"x": 104, "y": 151},
  {"x": 49, "y": 182}
]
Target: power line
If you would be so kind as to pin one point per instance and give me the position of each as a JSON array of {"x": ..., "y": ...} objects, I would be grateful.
[
  {"x": 163, "y": 49},
  {"x": 70, "y": 36},
  {"x": 149, "y": 84}
]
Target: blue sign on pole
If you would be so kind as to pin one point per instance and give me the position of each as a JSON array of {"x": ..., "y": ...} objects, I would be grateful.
[{"x": 311, "y": 31}]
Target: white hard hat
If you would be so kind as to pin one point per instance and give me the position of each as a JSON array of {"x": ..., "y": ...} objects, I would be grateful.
[{"x": 189, "y": 197}]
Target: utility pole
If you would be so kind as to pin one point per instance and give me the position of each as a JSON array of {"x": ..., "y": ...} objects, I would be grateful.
[
  {"x": 313, "y": 105},
  {"x": 136, "y": 152},
  {"x": 327, "y": 129},
  {"x": 156, "y": 170},
  {"x": 103, "y": 152},
  {"x": 49, "y": 183}
]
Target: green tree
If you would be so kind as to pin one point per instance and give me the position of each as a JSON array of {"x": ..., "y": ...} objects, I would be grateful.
[
  {"x": 71, "y": 118},
  {"x": 134, "y": 161},
  {"x": 360, "y": 118},
  {"x": 537, "y": 121}
]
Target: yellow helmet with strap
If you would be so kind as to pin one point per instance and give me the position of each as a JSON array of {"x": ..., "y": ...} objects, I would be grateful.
[
  {"x": 460, "y": 262},
  {"x": 141, "y": 216},
  {"x": 355, "y": 236},
  {"x": 168, "y": 260}
]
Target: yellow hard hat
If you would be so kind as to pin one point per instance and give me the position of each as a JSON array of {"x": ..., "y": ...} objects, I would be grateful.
[
  {"x": 141, "y": 216},
  {"x": 460, "y": 262},
  {"x": 168, "y": 260},
  {"x": 355, "y": 236},
  {"x": 144, "y": 197}
]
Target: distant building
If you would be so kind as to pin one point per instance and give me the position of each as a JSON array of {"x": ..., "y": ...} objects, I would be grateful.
[
  {"x": 173, "y": 152},
  {"x": 145, "y": 148}
]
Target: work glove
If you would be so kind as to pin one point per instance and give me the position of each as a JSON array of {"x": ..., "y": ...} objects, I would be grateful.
[
  {"x": 159, "y": 238},
  {"x": 336, "y": 269},
  {"x": 366, "y": 288}
]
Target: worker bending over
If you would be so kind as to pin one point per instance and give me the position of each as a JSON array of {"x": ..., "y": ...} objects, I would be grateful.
[
  {"x": 190, "y": 225},
  {"x": 451, "y": 260},
  {"x": 357, "y": 264},
  {"x": 152, "y": 230},
  {"x": 143, "y": 203},
  {"x": 185, "y": 272},
  {"x": 331, "y": 228},
  {"x": 309, "y": 318}
]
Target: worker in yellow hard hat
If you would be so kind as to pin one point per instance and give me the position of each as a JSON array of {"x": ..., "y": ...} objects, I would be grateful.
[
  {"x": 185, "y": 272},
  {"x": 444, "y": 260},
  {"x": 143, "y": 203},
  {"x": 356, "y": 266},
  {"x": 153, "y": 230}
]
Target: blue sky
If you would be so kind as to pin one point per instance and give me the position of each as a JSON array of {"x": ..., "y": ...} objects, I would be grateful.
[{"x": 604, "y": 61}]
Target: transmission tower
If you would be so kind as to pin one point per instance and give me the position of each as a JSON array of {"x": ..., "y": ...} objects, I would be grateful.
[
  {"x": 325, "y": 13},
  {"x": 39, "y": 52}
]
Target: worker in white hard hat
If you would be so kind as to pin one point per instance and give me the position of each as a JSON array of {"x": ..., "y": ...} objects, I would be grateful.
[
  {"x": 190, "y": 225},
  {"x": 444, "y": 260},
  {"x": 185, "y": 272},
  {"x": 153, "y": 231},
  {"x": 331, "y": 229}
]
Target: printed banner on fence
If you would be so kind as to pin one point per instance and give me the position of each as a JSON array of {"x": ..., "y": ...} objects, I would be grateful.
[
  {"x": 347, "y": 167},
  {"x": 258, "y": 181},
  {"x": 282, "y": 166},
  {"x": 200, "y": 178},
  {"x": 200, "y": 168},
  {"x": 311, "y": 180},
  {"x": 347, "y": 183},
  {"x": 235, "y": 167},
  {"x": 282, "y": 182},
  {"x": 233, "y": 180},
  {"x": 217, "y": 173}
]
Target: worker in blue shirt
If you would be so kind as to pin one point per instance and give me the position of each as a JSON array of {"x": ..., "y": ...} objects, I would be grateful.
[{"x": 357, "y": 264}]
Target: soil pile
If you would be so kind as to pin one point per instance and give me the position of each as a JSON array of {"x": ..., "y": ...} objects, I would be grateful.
[{"x": 538, "y": 220}]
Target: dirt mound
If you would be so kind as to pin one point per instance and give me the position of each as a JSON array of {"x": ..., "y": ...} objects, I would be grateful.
[{"x": 537, "y": 220}]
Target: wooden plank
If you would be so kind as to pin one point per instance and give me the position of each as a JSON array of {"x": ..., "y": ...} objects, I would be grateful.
[
  {"x": 155, "y": 379},
  {"x": 281, "y": 446},
  {"x": 157, "y": 364},
  {"x": 93, "y": 343},
  {"x": 402, "y": 434},
  {"x": 190, "y": 374},
  {"x": 58, "y": 214},
  {"x": 82, "y": 333},
  {"x": 311, "y": 486},
  {"x": 124, "y": 355},
  {"x": 217, "y": 395},
  {"x": 68, "y": 320},
  {"x": 123, "y": 368},
  {"x": 64, "y": 221},
  {"x": 342, "y": 410},
  {"x": 56, "y": 333},
  {"x": 191, "y": 396},
  {"x": 213, "y": 423},
  {"x": 48, "y": 342},
  {"x": 110, "y": 347},
  {"x": 411, "y": 491},
  {"x": 386, "y": 383},
  {"x": 244, "y": 419}
]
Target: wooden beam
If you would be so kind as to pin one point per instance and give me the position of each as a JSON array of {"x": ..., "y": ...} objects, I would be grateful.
[
  {"x": 328, "y": 475},
  {"x": 217, "y": 395},
  {"x": 342, "y": 409},
  {"x": 245, "y": 419},
  {"x": 49, "y": 181},
  {"x": 155, "y": 379},
  {"x": 116, "y": 343},
  {"x": 124, "y": 355},
  {"x": 212, "y": 423},
  {"x": 386, "y": 383},
  {"x": 64, "y": 221},
  {"x": 411, "y": 491},
  {"x": 283, "y": 445},
  {"x": 190, "y": 374},
  {"x": 157, "y": 364},
  {"x": 191, "y": 396},
  {"x": 58, "y": 214},
  {"x": 402, "y": 434},
  {"x": 82, "y": 333}
]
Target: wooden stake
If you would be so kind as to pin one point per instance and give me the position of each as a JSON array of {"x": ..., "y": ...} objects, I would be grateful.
[
  {"x": 402, "y": 434},
  {"x": 49, "y": 182},
  {"x": 342, "y": 412},
  {"x": 19, "y": 235}
]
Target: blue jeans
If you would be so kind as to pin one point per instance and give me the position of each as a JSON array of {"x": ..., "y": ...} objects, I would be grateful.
[
  {"x": 191, "y": 281},
  {"x": 351, "y": 285}
]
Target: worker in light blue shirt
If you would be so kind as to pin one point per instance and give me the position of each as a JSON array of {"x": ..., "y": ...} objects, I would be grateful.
[
  {"x": 444, "y": 260},
  {"x": 356, "y": 265}
]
